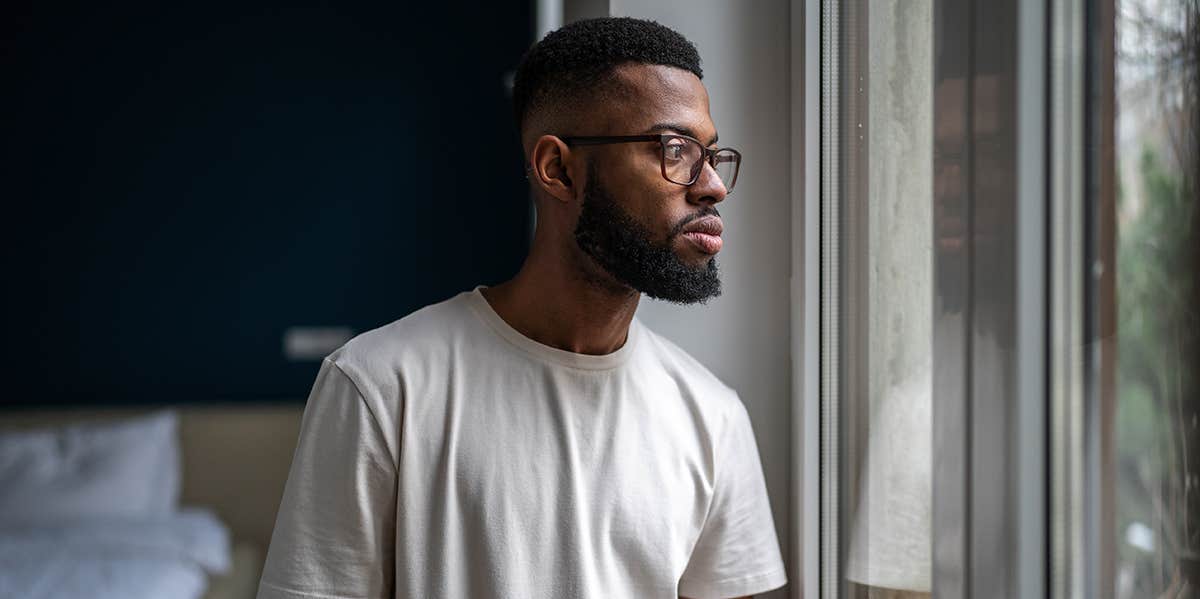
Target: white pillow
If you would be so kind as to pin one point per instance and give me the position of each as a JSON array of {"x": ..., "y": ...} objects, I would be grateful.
[{"x": 88, "y": 471}]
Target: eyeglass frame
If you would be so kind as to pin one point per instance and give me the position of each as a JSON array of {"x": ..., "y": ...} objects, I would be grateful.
[{"x": 708, "y": 155}]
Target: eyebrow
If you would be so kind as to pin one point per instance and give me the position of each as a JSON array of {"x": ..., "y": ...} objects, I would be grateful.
[{"x": 681, "y": 129}]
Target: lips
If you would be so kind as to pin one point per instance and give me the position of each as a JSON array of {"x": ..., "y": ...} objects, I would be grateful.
[{"x": 705, "y": 233}]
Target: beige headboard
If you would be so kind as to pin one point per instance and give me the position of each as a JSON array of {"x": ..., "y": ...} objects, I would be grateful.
[{"x": 235, "y": 457}]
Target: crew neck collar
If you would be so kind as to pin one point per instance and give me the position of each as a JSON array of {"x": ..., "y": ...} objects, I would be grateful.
[{"x": 484, "y": 310}]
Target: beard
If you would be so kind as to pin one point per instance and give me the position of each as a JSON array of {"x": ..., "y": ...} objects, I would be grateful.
[{"x": 628, "y": 252}]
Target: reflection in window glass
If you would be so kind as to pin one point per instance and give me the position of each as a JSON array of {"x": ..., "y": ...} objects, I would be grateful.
[
  {"x": 1157, "y": 437},
  {"x": 887, "y": 265}
]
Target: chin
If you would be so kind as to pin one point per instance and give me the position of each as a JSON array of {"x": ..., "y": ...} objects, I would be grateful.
[
  {"x": 696, "y": 259},
  {"x": 686, "y": 253}
]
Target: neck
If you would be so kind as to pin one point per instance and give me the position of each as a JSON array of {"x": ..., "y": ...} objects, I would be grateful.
[{"x": 559, "y": 304}]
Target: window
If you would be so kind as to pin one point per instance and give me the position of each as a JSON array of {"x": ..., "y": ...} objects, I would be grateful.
[
  {"x": 884, "y": 201},
  {"x": 1152, "y": 370},
  {"x": 1008, "y": 232}
]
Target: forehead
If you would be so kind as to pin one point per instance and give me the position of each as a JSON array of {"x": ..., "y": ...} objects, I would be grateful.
[{"x": 648, "y": 95}]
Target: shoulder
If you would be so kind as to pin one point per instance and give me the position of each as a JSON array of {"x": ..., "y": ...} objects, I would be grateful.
[
  {"x": 693, "y": 377},
  {"x": 429, "y": 325},
  {"x": 378, "y": 360}
]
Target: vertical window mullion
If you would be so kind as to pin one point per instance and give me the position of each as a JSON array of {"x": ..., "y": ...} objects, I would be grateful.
[{"x": 830, "y": 298}]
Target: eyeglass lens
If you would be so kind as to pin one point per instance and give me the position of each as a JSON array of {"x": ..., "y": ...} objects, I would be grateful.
[{"x": 683, "y": 159}]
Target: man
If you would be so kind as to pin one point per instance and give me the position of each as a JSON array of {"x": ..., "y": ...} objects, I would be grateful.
[{"x": 533, "y": 439}]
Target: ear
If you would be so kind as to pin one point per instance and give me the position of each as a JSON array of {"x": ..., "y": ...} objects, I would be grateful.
[{"x": 549, "y": 168}]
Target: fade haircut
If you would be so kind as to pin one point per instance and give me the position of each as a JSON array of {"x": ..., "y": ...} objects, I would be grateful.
[{"x": 575, "y": 63}]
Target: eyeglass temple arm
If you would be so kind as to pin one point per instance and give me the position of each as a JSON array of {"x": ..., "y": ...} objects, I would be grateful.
[{"x": 608, "y": 139}]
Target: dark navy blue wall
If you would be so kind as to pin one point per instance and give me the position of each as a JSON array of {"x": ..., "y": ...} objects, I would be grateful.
[{"x": 181, "y": 183}]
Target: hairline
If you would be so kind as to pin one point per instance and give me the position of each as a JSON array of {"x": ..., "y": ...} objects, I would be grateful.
[{"x": 609, "y": 81}]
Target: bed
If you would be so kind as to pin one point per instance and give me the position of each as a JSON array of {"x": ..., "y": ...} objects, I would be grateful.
[{"x": 95, "y": 507}]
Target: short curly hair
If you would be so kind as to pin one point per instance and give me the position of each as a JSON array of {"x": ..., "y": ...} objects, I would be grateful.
[{"x": 577, "y": 59}]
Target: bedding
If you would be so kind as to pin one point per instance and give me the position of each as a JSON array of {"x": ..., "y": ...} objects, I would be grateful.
[
  {"x": 161, "y": 557},
  {"x": 127, "y": 469}
]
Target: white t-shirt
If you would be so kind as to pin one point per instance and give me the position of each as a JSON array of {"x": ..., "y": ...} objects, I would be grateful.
[{"x": 448, "y": 455}]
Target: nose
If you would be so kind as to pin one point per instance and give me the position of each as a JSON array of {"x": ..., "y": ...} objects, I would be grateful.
[{"x": 708, "y": 187}]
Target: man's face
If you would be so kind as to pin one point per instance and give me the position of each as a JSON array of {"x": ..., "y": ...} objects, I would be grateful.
[{"x": 658, "y": 237}]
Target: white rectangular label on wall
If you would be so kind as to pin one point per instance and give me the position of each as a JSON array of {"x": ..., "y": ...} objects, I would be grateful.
[{"x": 306, "y": 344}]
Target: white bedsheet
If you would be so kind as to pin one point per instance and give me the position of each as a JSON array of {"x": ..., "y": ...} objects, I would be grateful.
[{"x": 164, "y": 557}]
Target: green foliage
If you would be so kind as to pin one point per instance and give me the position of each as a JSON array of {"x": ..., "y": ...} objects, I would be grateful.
[{"x": 1156, "y": 386}]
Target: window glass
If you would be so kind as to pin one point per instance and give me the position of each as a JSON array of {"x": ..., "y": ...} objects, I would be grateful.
[
  {"x": 886, "y": 180},
  {"x": 1156, "y": 465}
]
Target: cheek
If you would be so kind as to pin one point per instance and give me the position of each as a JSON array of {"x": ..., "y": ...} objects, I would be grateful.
[
  {"x": 654, "y": 202},
  {"x": 660, "y": 207}
]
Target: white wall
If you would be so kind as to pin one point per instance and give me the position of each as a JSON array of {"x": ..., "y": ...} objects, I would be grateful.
[{"x": 743, "y": 336}]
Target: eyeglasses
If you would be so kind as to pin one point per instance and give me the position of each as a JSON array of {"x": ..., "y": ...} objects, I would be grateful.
[{"x": 683, "y": 157}]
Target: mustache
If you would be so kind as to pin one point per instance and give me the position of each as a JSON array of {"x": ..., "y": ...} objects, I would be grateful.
[{"x": 678, "y": 228}]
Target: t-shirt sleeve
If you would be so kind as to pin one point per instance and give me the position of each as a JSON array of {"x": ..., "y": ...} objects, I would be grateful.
[
  {"x": 334, "y": 536},
  {"x": 737, "y": 553}
]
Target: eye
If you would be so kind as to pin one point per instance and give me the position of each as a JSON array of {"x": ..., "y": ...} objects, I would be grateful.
[{"x": 674, "y": 150}]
